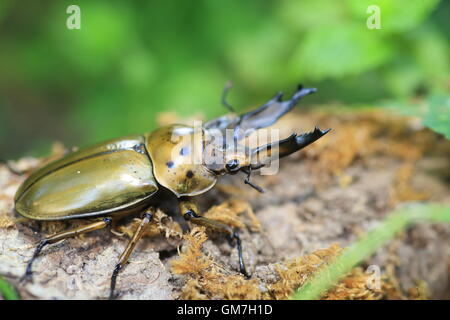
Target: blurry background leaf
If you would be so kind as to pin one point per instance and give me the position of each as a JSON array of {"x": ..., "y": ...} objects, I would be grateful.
[
  {"x": 397, "y": 16},
  {"x": 438, "y": 114},
  {"x": 131, "y": 61},
  {"x": 336, "y": 52},
  {"x": 433, "y": 111},
  {"x": 432, "y": 53},
  {"x": 309, "y": 14},
  {"x": 7, "y": 291}
]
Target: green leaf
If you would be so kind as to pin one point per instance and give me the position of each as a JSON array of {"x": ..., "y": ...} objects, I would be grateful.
[
  {"x": 107, "y": 32},
  {"x": 368, "y": 244},
  {"x": 139, "y": 69},
  {"x": 396, "y": 15},
  {"x": 345, "y": 49},
  {"x": 7, "y": 291},
  {"x": 260, "y": 58},
  {"x": 5, "y": 6},
  {"x": 437, "y": 116},
  {"x": 310, "y": 14},
  {"x": 402, "y": 77},
  {"x": 431, "y": 52},
  {"x": 434, "y": 111}
]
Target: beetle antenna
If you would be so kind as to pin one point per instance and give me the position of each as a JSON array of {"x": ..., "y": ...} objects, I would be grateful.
[
  {"x": 225, "y": 92},
  {"x": 251, "y": 184}
]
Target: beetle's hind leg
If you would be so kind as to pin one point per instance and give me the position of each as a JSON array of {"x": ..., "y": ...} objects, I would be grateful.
[
  {"x": 190, "y": 212},
  {"x": 106, "y": 221},
  {"x": 146, "y": 219}
]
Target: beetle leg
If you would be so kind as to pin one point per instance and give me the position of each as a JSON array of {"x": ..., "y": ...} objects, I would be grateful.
[
  {"x": 106, "y": 221},
  {"x": 146, "y": 219},
  {"x": 190, "y": 212},
  {"x": 114, "y": 229}
]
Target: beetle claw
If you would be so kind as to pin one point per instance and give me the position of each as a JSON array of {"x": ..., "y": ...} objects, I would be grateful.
[
  {"x": 112, "y": 288},
  {"x": 248, "y": 171},
  {"x": 242, "y": 268},
  {"x": 254, "y": 186},
  {"x": 26, "y": 278},
  {"x": 230, "y": 240},
  {"x": 307, "y": 138}
]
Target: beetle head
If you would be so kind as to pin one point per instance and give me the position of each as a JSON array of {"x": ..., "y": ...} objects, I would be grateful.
[
  {"x": 224, "y": 152},
  {"x": 224, "y": 156}
]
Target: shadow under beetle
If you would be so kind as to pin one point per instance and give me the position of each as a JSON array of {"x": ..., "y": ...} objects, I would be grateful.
[{"x": 119, "y": 176}]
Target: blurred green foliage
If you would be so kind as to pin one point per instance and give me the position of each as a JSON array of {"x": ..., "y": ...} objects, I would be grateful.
[
  {"x": 7, "y": 291},
  {"x": 397, "y": 221},
  {"x": 132, "y": 60},
  {"x": 437, "y": 116}
]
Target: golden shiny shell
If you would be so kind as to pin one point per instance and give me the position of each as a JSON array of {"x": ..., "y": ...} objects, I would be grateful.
[
  {"x": 176, "y": 153},
  {"x": 110, "y": 177}
]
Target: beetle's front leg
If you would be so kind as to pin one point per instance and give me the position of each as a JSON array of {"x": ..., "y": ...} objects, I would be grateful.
[
  {"x": 146, "y": 219},
  {"x": 190, "y": 212}
]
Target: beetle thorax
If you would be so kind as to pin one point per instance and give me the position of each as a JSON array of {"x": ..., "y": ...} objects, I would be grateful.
[{"x": 177, "y": 155}]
